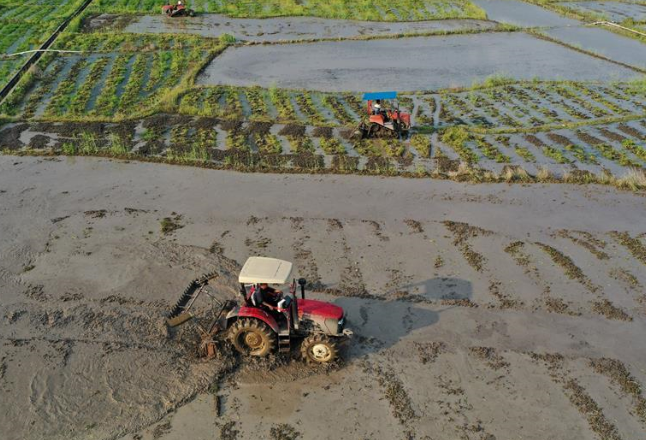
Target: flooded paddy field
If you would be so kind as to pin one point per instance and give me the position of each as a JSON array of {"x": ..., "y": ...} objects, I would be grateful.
[
  {"x": 471, "y": 310},
  {"x": 405, "y": 64},
  {"x": 295, "y": 28},
  {"x": 523, "y": 14},
  {"x": 612, "y": 10},
  {"x": 603, "y": 42}
]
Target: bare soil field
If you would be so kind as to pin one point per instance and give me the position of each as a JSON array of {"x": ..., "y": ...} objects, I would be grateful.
[
  {"x": 295, "y": 28},
  {"x": 480, "y": 311},
  {"x": 412, "y": 64}
]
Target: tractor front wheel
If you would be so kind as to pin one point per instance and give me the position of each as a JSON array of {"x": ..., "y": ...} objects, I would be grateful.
[
  {"x": 252, "y": 337},
  {"x": 318, "y": 349}
]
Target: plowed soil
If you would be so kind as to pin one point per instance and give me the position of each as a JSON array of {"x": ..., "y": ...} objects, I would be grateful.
[{"x": 87, "y": 273}]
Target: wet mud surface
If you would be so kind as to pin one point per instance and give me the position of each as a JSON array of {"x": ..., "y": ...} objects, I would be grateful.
[
  {"x": 522, "y": 14},
  {"x": 603, "y": 42},
  {"x": 441, "y": 345},
  {"x": 410, "y": 64},
  {"x": 594, "y": 39},
  {"x": 613, "y": 11}
]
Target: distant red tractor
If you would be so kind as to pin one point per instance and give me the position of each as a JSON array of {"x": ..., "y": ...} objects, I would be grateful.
[
  {"x": 384, "y": 117},
  {"x": 177, "y": 10}
]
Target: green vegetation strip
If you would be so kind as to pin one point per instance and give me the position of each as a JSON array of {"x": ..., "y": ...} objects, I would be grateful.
[{"x": 373, "y": 10}]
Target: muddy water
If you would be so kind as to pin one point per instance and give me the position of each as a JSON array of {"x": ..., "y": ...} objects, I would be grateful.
[
  {"x": 522, "y": 14},
  {"x": 573, "y": 32},
  {"x": 423, "y": 63},
  {"x": 292, "y": 28},
  {"x": 603, "y": 42}
]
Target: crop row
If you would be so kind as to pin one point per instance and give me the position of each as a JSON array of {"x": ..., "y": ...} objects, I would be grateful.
[
  {"x": 258, "y": 145},
  {"x": 108, "y": 85},
  {"x": 272, "y": 105},
  {"x": 623, "y": 145},
  {"x": 536, "y": 105},
  {"x": 26, "y": 25},
  {"x": 8, "y": 66},
  {"x": 37, "y": 11},
  {"x": 127, "y": 42}
]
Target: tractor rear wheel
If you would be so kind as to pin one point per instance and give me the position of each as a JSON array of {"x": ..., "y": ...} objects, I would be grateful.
[
  {"x": 252, "y": 337},
  {"x": 319, "y": 349}
]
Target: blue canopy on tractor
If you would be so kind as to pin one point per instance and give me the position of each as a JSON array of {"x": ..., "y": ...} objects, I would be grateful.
[{"x": 379, "y": 95}]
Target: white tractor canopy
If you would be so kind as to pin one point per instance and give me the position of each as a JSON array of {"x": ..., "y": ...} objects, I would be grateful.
[{"x": 259, "y": 270}]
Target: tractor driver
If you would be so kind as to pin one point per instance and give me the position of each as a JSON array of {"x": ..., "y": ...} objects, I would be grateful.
[
  {"x": 267, "y": 297},
  {"x": 376, "y": 107}
]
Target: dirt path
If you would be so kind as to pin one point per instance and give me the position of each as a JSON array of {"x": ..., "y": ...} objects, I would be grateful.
[{"x": 460, "y": 291}]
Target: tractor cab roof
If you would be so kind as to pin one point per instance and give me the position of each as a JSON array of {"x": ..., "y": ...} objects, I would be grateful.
[
  {"x": 379, "y": 95},
  {"x": 258, "y": 270}
]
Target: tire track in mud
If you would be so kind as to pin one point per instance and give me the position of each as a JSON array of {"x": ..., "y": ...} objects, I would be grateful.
[
  {"x": 304, "y": 258},
  {"x": 118, "y": 359},
  {"x": 622, "y": 379},
  {"x": 351, "y": 281},
  {"x": 633, "y": 245},
  {"x": 612, "y": 278},
  {"x": 451, "y": 401},
  {"x": 504, "y": 375},
  {"x": 377, "y": 230},
  {"x": 631, "y": 285},
  {"x": 462, "y": 233},
  {"x": 257, "y": 242},
  {"x": 601, "y": 305},
  {"x": 395, "y": 393},
  {"x": 578, "y": 396},
  {"x": 588, "y": 241},
  {"x": 103, "y": 366},
  {"x": 455, "y": 408},
  {"x": 518, "y": 252}
]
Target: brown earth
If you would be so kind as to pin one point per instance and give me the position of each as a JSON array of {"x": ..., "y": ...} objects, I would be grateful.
[{"x": 87, "y": 272}]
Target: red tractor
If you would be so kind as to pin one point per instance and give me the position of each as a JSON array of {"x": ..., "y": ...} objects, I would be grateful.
[
  {"x": 384, "y": 117},
  {"x": 177, "y": 10},
  {"x": 255, "y": 330}
]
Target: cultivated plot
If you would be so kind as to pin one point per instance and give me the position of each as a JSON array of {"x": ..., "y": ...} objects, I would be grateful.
[{"x": 26, "y": 26}]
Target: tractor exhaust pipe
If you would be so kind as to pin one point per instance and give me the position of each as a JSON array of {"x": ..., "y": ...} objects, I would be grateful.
[
  {"x": 294, "y": 310},
  {"x": 302, "y": 282}
]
